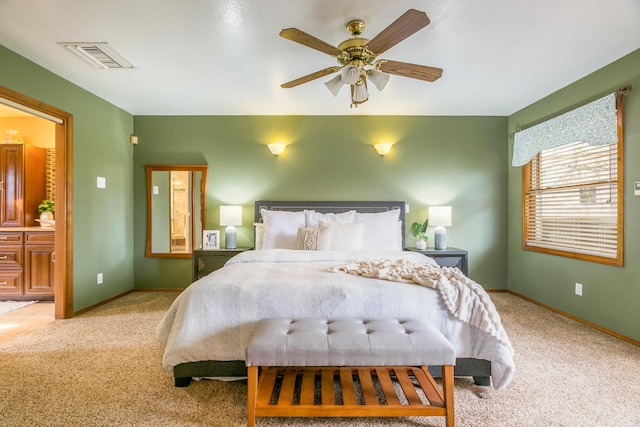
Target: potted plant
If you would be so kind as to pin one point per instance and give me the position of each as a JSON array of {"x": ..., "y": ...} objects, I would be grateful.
[
  {"x": 419, "y": 230},
  {"x": 46, "y": 209}
]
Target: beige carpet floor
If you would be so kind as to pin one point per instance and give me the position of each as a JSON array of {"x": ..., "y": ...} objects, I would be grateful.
[{"x": 103, "y": 368}]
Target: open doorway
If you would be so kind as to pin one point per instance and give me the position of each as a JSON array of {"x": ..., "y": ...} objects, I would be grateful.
[{"x": 62, "y": 257}]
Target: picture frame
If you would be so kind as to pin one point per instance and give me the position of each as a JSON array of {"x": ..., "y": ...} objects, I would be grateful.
[{"x": 211, "y": 239}]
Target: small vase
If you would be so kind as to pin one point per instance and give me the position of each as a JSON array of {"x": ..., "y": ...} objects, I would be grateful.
[
  {"x": 421, "y": 245},
  {"x": 46, "y": 219}
]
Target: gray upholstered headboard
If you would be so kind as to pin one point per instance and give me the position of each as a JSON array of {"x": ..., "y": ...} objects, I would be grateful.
[{"x": 332, "y": 206}]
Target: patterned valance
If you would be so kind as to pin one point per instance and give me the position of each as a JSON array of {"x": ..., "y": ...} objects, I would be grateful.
[{"x": 594, "y": 123}]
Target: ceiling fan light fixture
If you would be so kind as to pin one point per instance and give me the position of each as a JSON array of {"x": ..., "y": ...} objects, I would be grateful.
[
  {"x": 379, "y": 79},
  {"x": 335, "y": 84},
  {"x": 350, "y": 74},
  {"x": 358, "y": 57}
]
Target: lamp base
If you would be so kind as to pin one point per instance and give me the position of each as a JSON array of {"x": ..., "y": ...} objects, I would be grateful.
[
  {"x": 440, "y": 237},
  {"x": 230, "y": 237}
]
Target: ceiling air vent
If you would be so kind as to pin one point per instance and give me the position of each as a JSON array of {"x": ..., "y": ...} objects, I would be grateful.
[{"x": 100, "y": 55}]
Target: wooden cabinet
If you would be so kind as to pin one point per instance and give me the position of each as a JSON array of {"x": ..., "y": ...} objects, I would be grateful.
[
  {"x": 39, "y": 248},
  {"x": 26, "y": 252},
  {"x": 22, "y": 184},
  {"x": 449, "y": 257},
  {"x": 26, "y": 264},
  {"x": 206, "y": 261}
]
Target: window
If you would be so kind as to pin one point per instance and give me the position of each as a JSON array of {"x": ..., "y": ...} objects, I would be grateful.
[{"x": 572, "y": 199}]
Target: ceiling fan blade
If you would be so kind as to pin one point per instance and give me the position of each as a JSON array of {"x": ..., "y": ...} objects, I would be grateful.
[
  {"x": 310, "y": 77},
  {"x": 420, "y": 72},
  {"x": 409, "y": 23},
  {"x": 308, "y": 40}
]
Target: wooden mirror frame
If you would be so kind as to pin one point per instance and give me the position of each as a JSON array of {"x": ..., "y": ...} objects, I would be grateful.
[{"x": 174, "y": 168}]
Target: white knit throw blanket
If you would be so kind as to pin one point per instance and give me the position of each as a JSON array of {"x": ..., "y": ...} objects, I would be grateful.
[{"x": 466, "y": 300}]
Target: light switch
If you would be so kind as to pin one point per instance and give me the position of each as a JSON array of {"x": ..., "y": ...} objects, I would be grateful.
[
  {"x": 156, "y": 190},
  {"x": 636, "y": 188},
  {"x": 102, "y": 182}
]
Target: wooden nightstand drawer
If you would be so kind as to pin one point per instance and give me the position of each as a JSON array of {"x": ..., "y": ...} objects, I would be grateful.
[
  {"x": 211, "y": 262},
  {"x": 206, "y": 261},
  {"x": 450, "y": 257}
]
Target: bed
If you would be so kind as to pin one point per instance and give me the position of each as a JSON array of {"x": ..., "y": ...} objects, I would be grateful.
[{"x": 294, "y": 271}]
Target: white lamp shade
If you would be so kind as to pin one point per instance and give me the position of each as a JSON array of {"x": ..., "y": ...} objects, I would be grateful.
[
  {"x": 231, "y": 215},
  {"x": 440, "y": 216},
  {"x": 379, "y": 79},
  {"x": 335, "y": 84},
  {"x": 350, "y": 74},
  {"x": 360, "y": 93}
]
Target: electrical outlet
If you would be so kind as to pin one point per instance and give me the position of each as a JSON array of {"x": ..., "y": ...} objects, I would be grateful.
[
  {"x": 579, "y": 289},
  {"x": 99, "y": 278}
]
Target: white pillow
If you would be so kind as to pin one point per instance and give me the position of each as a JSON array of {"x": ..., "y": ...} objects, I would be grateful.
[
  {"x": 259, "y": 233},
  {"x": 343, "y": 236},
  {"x": 313, "y": 218},
  {"x": 281, "y": 228},
  {"x": 381, "y": 230}
]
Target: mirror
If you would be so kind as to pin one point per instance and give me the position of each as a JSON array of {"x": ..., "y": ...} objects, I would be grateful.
[{"x": 175, "y": 209}]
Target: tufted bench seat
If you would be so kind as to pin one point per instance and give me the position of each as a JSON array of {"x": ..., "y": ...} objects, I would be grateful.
[{"x": 348, "y": 367}]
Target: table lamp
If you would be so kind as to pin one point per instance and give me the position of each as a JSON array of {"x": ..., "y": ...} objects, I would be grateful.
[
  {"x": 230, "y": 216},
  {"x": 440, "y": 217}
]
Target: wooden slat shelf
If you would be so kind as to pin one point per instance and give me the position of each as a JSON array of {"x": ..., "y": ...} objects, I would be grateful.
[{"x": 348, "y": 392}]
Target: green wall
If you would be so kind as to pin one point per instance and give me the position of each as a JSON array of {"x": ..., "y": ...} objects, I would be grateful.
[
  {"x": 611, "y": 295},
  {"x": 102, "y": 218},
  {"x": 435, "y": 160}
]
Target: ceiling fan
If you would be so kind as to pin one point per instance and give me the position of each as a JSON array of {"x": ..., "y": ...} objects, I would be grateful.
[{"x": 357, "y": 57}]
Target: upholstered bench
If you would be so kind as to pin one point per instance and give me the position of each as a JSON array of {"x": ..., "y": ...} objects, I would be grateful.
[{"x": 348, "y": 367}]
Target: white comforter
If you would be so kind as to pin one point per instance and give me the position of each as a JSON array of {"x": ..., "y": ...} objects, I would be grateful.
[{"x": 213, "y": 319}]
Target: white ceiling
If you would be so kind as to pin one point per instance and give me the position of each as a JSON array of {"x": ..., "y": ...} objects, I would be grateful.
[{"x": 215, "y": 57}]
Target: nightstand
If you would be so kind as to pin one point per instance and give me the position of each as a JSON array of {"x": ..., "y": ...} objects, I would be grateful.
[
  {"x": 449, "y": 257},
  {"x": 207, "y": 260}
]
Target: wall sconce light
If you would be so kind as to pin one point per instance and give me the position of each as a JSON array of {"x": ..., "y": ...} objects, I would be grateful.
[
  {"x": 276, "y": 148},
  {"x": 383, "y": 148},
  {"x": 230, "y": 216},
  {"x": 440, "y": 216}
]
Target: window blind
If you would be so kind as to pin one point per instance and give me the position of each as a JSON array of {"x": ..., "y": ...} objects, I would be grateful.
[{"x": 571, "y": 199}]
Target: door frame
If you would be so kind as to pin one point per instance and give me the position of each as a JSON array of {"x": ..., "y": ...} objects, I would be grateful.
[{"x": 63, "y": 252}]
